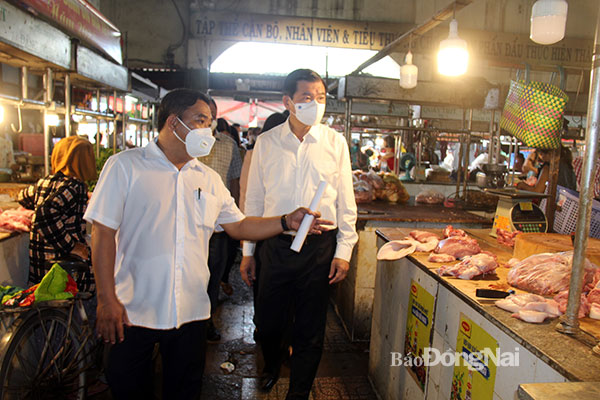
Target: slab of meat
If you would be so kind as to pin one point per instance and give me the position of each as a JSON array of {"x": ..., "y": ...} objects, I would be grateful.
[
  {"x": 470, "y": 266},
  {"x": 549, "y": 306},
  {"x": 595, "y": 311},
  {"x": 428, "y": 246},
  {"x": 535, "y": 317},
  {"x": 530, "y": 307},
  {"x": 505, "y": 237},
  {"x": 430, "y": 197},
  {"x": 593, "y": 296},
  {"x": 440, "y": 258},
  {"x": 563, "y": 298},
  {"x": 396, "y": 249},
  {"x": 458, "y": 246},
  {"x": 16, "y": 220},
  {"x": 426, "y": 241},
  {"x": 515, "y": 302},
  {"x": 423, "y": 236},
  {"x": 547, "y": 273},
  {"x": 512, "y": 262},
  {"x": 450, "y": 231}
]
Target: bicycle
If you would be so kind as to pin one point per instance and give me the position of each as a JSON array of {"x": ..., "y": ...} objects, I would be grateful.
[{"x": 48, "y": 348}]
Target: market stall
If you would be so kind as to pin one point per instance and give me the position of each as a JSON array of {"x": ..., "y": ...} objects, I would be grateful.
[
  {"x": 62, "y": 76},
  {"x": 353, "y": 297},
  {"x": 451, "y": 316}
]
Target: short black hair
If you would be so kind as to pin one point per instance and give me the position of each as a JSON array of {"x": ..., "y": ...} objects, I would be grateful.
[
  {"x": 290, "y": 85},
  {"x": 222, "y": 125},
  {"x": 274, "y": 120},
  {"x": 176, "y": 102}
]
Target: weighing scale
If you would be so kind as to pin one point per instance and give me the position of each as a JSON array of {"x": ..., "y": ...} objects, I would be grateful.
[
  {"x": 516, "y": 211},
  {"x": 407, "y": 162}
]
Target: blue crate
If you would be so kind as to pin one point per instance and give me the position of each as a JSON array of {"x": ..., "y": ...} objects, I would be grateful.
[{"x": 567, "y": 210}]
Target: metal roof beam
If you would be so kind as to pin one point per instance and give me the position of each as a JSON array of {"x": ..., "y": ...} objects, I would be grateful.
[{"x": 419, "y": 30}]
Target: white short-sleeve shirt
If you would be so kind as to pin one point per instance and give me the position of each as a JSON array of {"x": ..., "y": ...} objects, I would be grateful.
[{"x": 164, "y": 218}]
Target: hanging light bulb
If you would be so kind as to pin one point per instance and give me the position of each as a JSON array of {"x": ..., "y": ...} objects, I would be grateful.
[
  {"x": 453, "y": 56},
  {"x": 548, "y": 21},
  {"x": 409, "y": 71}
]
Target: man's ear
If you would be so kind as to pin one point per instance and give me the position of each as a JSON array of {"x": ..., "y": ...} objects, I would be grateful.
[
  {"x": 288, "y": 103},
  {"x": 172, "y": 121}
]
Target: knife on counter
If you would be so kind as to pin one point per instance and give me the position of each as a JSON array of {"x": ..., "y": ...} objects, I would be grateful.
[{"x": 493, "y": 294}]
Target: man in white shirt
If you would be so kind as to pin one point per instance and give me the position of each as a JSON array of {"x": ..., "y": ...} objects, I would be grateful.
[
  {"x": 153, "y": 212},
  {"x": 224, "y": 159},
  {"x": 288, "y": 163}
]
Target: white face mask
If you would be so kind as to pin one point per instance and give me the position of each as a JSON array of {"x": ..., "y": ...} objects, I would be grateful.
[
  {"x": 309, "y": 114},
  {"x": 198, "y": 142},
  {"x": 213, "y": 125}
]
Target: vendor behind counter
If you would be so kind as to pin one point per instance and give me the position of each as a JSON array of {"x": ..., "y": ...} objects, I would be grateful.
[
  {"x": 566, "y": 174},
  {"x": 59, "y": 201}
]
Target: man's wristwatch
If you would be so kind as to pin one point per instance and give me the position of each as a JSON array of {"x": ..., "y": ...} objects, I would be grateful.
[{"x": 283, "y": 223}]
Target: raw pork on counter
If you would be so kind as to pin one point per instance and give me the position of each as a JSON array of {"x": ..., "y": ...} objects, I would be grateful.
[
  {"x": 505, "y": 237},
  {"x": 458, "y": 246},
  {"x": 427, "y": 240},
  {"x": 396, "y": 249},
  {"x": 18, "y": 220},
  {"x": 423, "y": 236},
  {"x": 440, "y": 258},
  {"x": 546, "y": 273},
  {"x": 563, "y": 298},
  {"x": 450, "y": 231},
  {"x": 471, "y": 266},
  {"x": 530, "y": 307}
]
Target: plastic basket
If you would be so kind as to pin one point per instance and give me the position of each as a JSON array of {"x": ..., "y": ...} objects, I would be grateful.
[{"x": 567, "y": 210}]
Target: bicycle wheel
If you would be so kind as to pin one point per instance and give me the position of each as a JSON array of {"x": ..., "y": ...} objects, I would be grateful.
[{"x": 44, "y": 358}]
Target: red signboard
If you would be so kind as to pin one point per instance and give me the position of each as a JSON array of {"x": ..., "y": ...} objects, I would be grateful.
[{"x": 81, "y": 20}]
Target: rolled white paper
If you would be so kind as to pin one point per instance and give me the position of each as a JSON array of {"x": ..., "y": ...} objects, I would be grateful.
[{"x": 308, "y": 219}]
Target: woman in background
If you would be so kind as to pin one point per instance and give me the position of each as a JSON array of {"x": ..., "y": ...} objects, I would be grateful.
[
  {"x": 387, "y": 154},
  {"x": 59, "y": 201},
  {"x": 566, "y": 175}
]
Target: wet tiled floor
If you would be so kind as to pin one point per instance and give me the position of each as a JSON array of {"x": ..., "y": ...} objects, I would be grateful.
[{"x": 342, "y": 373}]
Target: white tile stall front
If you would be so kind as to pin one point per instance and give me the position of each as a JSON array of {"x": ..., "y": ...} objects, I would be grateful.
[
  {"x": 545, "y": 373},
  {"x": 392, "y": 291},
  {"x": 433, "y": 381}
]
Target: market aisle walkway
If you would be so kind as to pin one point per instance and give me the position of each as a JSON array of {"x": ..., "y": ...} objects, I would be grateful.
[{"x": 342, "y": 374}]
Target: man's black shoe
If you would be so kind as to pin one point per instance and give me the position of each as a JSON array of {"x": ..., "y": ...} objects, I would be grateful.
[
  {"x": 212, "y": 334},
  {"x": 267, "y": 381}
]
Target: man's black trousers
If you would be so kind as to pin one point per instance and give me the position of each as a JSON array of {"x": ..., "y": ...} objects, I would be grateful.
[{"x": 294, "y": 287}]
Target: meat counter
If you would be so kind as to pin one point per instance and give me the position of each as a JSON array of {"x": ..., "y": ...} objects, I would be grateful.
[
  {"x": 353, "y": 297},
  {"x": 14, "y": 247},
  {"x": 454, "y": 322}
]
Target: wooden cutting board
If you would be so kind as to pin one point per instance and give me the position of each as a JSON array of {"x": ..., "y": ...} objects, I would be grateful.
[{"x": 527, "y": 244}]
